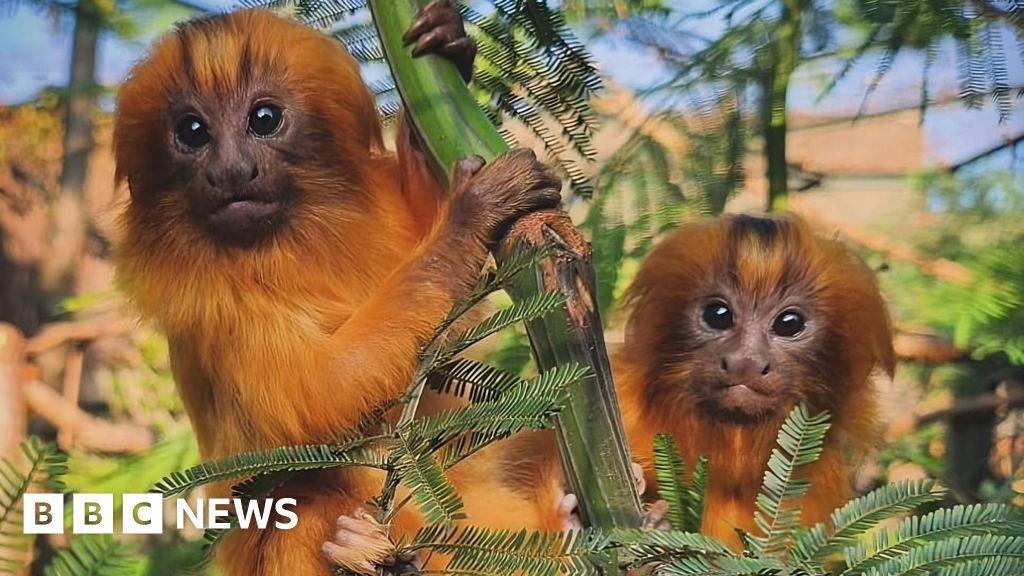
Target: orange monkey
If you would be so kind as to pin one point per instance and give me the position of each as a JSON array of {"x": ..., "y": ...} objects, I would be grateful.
[
  {"x": 733, "y": 322},
  {"x": 295, "y": 266}
]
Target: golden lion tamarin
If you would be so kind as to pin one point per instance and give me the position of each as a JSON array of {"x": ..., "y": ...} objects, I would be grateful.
[
  {"x": 733, "y": 321},
  {"x": 295, "y": 266}
]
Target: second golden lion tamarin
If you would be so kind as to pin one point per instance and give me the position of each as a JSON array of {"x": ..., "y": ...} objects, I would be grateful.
[{"x": 732, "y": 322}]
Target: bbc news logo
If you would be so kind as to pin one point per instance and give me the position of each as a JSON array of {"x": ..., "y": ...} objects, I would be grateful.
[{"x": 144, "y": 513}]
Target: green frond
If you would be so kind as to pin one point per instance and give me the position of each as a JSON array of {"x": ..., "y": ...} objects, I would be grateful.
[
  {"x": 946, "y": 554},
  {"x": 475, "y": 381},
  {"x": 484, "y": 551},
  {"x": 529, "y": 405},
  {"x": 519, "y": 258},
  {"x": 724, "y": 566},
  {"x": 800, "y": 442},
  {"x": 44, "y": 467},
  {"x": 992, "y": 566},
  {"x": 643, "y": 546},
  {"x": 943, "y": 526},
  {"x": 670, "y": 471},
  {"x": 858, "y": 516},
  {"x": 685, "y": 499},
  {"x": 529, "y": 308},
  {"x": 434, "y": 494},
  {"x": 96, "y": 555},
  {"x": 286, "y": 458}
]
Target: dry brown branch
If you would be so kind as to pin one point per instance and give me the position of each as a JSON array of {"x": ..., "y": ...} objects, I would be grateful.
[
  {"x": 72, "y": 387},
  {"x": 58, "y": 333},
  {"x": 927, "y": 347},
  {"x": 13, "y": 416},
  {"x": 89, "y": 432},
  {"x": 975, "y": 406}
]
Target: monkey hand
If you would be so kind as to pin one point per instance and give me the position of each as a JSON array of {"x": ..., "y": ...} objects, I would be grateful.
[
  {"x": 361, "y": 545},
  {"x": 438, "y": 29},
  {"x": 486, "y": 200}
]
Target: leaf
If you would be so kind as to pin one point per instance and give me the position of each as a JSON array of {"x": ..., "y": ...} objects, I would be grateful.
[
  {"x": 531, "y": 307},
  {"x": 485, "y": 551},
  {"x": 45, "y": 467},
  {"x": 858, "y": 516},
  {"x": 957, "y": 524},
  {"x": 98, "y": 555},
  {"x": 433, "y": 493},
  {"x": 249, "y": 464},
  {"x": 800, "y": 442},
  {"x": 472, "y": 380}
]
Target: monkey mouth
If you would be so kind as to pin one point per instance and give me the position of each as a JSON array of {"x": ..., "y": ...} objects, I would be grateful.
[{"x": 244, "y": 220}]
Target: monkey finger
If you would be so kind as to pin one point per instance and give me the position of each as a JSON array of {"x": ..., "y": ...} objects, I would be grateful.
[
  {"x": 348, "y": 558},
  {"x": 434, "y": 40},
  {"x": 638, "y": 478},
  {"x": 466, "y": 169},
  {"x": 568, "y": 509},
  {"x": 433, "y": 15}
]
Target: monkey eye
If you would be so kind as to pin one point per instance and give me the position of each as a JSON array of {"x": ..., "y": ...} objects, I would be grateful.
[
  {"x": 718, "y": 316},
  {"x": 789, "y": 324},
  {"x": 264, "y": 120},
  {"x": 191, "y": 131}
]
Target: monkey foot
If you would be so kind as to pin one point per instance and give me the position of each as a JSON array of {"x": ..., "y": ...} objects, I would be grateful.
[
  {"x": 656, "y": 515},
  {"x": 361, "y": 545},
  {"x": 568, "y": 510}
]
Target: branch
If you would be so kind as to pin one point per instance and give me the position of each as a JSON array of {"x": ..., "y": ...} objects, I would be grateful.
[
  {"x": 983, "y": 404},
  {"x": 89, "y": 432},
  {"x": 926, "y": 347},
  {"x": 13, "y": 416},
  {"x": 590, "y": 434},
  {"x": 59, "y": 333}
]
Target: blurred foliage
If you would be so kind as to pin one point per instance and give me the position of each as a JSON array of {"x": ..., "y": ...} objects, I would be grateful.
[{"x": 979, "y": 227}]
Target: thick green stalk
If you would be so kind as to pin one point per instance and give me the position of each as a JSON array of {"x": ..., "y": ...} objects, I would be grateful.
[
  {"x": 451, "y": 127},
  {"x": 437, "y": 102}
]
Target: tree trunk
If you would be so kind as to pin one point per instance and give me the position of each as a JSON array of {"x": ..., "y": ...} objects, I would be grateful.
[
  {"x": 785, "y": 53},
  {"x": 69, "y": 220}
]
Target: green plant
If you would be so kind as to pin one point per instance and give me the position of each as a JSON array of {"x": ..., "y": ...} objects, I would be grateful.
[{"x": 87, "y": 555}]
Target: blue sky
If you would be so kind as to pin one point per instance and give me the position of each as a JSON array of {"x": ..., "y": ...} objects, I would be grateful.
[{"x": 34, "y": 48}]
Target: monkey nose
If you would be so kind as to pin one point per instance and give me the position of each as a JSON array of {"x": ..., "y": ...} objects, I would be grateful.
[
  {"x": 231, "y": 175},
  {"x": 745, "y": 367}
]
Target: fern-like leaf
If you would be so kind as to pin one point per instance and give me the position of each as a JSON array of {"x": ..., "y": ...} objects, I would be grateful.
[
  {"x": 800, "y": 442},
  {"x": 532, "y": 307},
  {"x": 670, "y": 471},
  {"x": 959, "y": 526},
  {"x": 433, "y": 493},
  {"x": 951, "y": 553},
  {"x": 44, "y": 468},
  {"x": 472, "y": 380},
  {"x": 98, "y": 555},
  {"x": 250, "y": 464},
  {"x": 858, "y": 516},
  {"x": 484, "y": 551}
]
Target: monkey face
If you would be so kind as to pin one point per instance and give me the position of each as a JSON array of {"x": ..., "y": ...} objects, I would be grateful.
[
  {"x": 745, "y": 358},
  {"x": 234, "y": 183},
  {"x": 741, "y": 317},
  {"x": 238, "y": 126}
]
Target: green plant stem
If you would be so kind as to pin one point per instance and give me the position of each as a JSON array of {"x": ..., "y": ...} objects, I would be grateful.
[
  {"x": 451, "y": 127},
  {"x": 438, "y": 104}
]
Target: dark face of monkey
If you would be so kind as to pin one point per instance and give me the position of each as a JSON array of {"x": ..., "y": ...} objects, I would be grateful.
[
  {"x": 747, "y": 355},
  {"x": 219, "y": 135},
  {"x": 743, "y": 317},
  {"x": 227, "y": 153}
]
